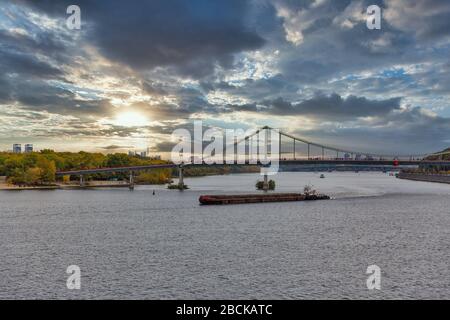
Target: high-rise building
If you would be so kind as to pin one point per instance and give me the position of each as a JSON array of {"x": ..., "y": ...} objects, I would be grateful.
[
  {"x": 143, "y": 154},
  {"x": 28, "y": 148},
  {"x": 17, "y": 148},
  {"x": 131, "y": 153}
]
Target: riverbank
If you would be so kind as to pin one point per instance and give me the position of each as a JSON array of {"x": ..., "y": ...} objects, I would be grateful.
[
  {"x": 439, "y": 178},
  {"x": 16, "y": 188},
  {"x": 92, "y": 184}
]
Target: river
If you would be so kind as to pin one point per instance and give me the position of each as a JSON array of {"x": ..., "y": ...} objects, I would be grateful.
[{"x": 132, "y": 244}]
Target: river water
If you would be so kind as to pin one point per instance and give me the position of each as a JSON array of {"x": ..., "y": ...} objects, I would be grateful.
[{"x": 131, "y": 244}]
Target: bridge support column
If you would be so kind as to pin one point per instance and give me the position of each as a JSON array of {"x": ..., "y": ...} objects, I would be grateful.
[
  {"x": 81, "y": 180},
  {"x": 180, "y": 178},
  {"x": 266, "y": 183},
  {"x": 131, "y": 181},
  {"x": 294, "y": 149}
]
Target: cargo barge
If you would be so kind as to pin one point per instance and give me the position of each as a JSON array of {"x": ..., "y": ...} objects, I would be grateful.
[{"x": 255, "y": 198}]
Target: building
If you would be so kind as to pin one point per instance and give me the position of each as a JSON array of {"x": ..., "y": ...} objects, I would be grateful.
[
  {"x": 131, "y": 153},
  {"x": 17, "y": 148},
  {"x": 28, "y": 148},
  {"x": 143, "y": 154}
]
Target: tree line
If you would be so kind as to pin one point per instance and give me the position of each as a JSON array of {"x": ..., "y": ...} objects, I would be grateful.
[{"x": 39, "y": 168}]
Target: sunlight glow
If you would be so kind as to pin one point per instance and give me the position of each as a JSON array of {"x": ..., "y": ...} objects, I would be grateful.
[{"x": 130, "y": 119}]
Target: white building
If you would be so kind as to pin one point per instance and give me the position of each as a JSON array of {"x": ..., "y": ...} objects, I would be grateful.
[
  {"x": 17, "y": 148},
  {"x": 143, "y": 154}
]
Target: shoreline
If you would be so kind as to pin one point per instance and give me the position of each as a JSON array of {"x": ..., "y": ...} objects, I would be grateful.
[
  {"x": 436, "y": 178},
  {"x": 9, "y": 187},
  {"x": 14, "y": 188}
]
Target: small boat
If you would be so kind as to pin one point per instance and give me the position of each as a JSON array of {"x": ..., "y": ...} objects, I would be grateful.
[
  {"x": 255, "y": 198},
  {"x": 322, "y": 176}
]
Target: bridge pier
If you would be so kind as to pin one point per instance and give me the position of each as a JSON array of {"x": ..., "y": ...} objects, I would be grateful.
[
  {"x": 294, "y": 149},
  {"x": 81, "y": 181},
  {"x": 266, "y": 183},
  {"x": 180, "y": 177},
  {"x": 131, "y": 181}
]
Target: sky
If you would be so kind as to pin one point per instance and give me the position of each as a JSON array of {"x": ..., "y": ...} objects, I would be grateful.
[{"x": 137, "y": 70}]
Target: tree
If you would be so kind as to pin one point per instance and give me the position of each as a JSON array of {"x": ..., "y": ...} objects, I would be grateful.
[
  {"x": 66, "y": 178},
  {"x": 117, "y": 160},
  {"x": 32, "y": 176},
  {"x": 48, "y": 170}
]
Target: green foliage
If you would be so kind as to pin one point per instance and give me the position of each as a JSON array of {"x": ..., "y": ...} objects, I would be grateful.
[
  {"x": 260, "y": 185},
  {"x": 117, "y": 160},
  {"x": 218, "y": 170},
  {"x": 176, "y": 186},
  {"x": 28, "y": 169},
  {"x": 38, "y": 168},
  {"x": 47, "y": 170},
  {"x": 159, "y": 176}
]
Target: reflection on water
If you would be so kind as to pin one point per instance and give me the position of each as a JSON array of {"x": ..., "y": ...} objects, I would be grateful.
[{"x": 136, "y": 245}]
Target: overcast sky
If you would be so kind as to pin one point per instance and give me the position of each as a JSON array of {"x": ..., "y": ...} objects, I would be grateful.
[{"x": 136, "y": 70}]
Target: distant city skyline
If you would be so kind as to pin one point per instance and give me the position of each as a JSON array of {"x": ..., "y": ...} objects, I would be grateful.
[{"x": 309, "y": 67}]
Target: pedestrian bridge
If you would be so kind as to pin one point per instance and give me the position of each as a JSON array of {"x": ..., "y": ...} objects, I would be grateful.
[{"x": 323, "y": 155}]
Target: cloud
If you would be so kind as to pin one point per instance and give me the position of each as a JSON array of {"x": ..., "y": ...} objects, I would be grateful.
[
  {"x": 325, "y": 107},
  {"x": 191, "y": 37},
  {"x": 424, "y": 18},
  {"x": 406, "y": 132},
  {"x": 165, "y": 146},
  {"x": 116, "y": 147},
  {"x": 307, "y": 64}
]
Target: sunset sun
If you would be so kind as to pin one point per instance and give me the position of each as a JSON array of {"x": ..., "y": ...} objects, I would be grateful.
[{"x": 130, "y": 119}]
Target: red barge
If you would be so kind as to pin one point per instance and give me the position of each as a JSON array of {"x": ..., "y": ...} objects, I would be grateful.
[{"x": 255, "y": 198}]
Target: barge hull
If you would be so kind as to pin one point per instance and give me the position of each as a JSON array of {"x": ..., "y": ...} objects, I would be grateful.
[{"x": 257, "y": 198}]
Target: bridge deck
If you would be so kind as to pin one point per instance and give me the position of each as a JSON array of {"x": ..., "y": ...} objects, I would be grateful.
[{"x": 282, "y": 162}]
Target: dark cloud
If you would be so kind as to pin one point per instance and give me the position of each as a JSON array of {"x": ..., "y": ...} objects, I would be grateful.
[
  {"x": 116, "y": 147},
  {"x": 165, "y": 146},
  {"x": 42, "y": 96},
  {"x": 190, "y": 36},
  {"x": 89, "y": 130},
  {"x": 28, "y": 64},
  {"x": 409, "y": 131},
  {"x": 153, "y": 89},
  {"x": 427, "y": 19},
  {"x": 325, "y": 107},
  {"x": 335, "y": 107}
]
